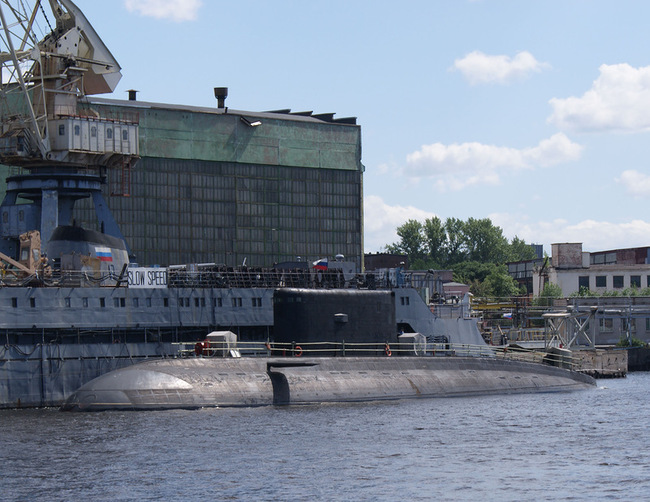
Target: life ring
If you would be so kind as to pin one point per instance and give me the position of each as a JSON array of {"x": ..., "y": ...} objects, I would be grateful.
[
  {"x": 387, "y": 350},
  {"x": 297, "y": 351},
  {"x": 201, "y": 348}
]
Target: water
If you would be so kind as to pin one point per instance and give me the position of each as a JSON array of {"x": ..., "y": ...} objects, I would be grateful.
[{"x": 589, "y": 445}]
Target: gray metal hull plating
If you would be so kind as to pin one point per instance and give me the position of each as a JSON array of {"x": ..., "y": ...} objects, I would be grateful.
[{"x": 210, "y": 382}]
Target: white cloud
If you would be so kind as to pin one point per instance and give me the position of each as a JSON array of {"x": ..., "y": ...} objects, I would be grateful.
[
  {"x": 382, "y": 220},
  {"x": 635, "y": 183},
  {"x": 174, "y": 10},
  {"x": 594, "y": 235},
  {"x": 456, "y": 166},
  {"x": 480, "y": 68},
  {"x": 619, "y": 100}
]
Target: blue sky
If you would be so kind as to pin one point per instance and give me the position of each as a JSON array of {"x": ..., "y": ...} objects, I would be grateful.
[{"x": 535, "y": 114}]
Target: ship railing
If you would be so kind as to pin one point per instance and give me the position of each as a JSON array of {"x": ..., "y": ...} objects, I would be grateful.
[{"x": 383, "y": 349}]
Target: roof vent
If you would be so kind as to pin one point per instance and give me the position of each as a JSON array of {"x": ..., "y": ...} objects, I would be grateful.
[{"x": 221, "y": 93}]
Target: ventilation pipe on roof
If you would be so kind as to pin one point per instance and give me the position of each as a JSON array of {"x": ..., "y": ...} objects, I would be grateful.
[
  {"x": 221, "y": 93},
  {"x": 132, "y": 94}
]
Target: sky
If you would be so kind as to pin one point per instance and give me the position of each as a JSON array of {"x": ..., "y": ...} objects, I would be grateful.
[{"x": 535, "y": 114}]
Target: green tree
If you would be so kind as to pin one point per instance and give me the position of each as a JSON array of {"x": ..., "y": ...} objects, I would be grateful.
[
  {"x": 500, "y": 284},
  {"x": 484, "y": 242},
  {"x": 411, "y": 240},
  {"x": 455, "y": 248},
  {"x": 520, "y": 250},
  {"x": 435, "y": 241}
]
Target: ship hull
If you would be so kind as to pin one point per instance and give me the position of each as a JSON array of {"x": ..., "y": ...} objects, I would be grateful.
[{"x": 217, "y": 382}]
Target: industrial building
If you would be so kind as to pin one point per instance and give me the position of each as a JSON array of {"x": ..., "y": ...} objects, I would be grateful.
[{"x": 215, "y": 185}]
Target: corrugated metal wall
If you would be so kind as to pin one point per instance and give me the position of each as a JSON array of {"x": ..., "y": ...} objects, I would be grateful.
[{"x": 183, "y": 211}]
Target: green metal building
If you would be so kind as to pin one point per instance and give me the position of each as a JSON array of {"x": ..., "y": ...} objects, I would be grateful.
[{"x": 214, "y": 185}]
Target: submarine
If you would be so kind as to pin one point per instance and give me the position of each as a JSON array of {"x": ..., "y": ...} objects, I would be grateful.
[{"x": 329, "y": 347}]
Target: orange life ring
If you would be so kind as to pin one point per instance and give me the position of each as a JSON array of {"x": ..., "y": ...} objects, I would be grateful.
[
  {"x": 387, "y": 350},
  {"x": 297, "y": 351}
]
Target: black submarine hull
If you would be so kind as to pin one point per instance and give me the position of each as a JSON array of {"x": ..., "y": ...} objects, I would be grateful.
[{"x": 260, "y": 381}]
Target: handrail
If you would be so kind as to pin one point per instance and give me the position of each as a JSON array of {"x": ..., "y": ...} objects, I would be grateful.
[{"x": 341, "y": 349}]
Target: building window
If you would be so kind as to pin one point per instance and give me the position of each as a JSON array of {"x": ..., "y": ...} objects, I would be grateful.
[
  {"x": 635, "y": 281},
  {"x": 628, "y": 324},
  {"x": 218, "y": 302},
  {"x": 61, "y": 130},
  {"x": 404, "y": 300},
  {"x": 102, "y": 302},
  {"x": 601, "y": 281},
  {"x": 165, "y": 302},
  {"x": 67, "y": 301},
  {"x": 256, "y": 301},
  {"x": 93, "y": 132},
  {"x": 125, "y": 134},
  {"x": 32, "y": 302},
  {"x": 606, "y": 324},
  {"x": 14, "y": 302},
  {"x": 618, "y": 281},
  {"x": 109, "y": 133},
  {"x": 148, "y": 301},
  {"x": 84, "y": 302},
  {"x": 583, "y": 282},
  {"x": 77, "y": 130},
  {"x": 136, "y": 302},
  {"x": 236, "y": 302},
  {"x": 196, "y": 302}
]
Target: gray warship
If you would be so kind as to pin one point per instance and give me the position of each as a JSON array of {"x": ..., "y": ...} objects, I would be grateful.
[{"x": 74, "y": 305}]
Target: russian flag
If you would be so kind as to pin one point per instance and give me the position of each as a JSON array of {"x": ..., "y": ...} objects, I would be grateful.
[
  {"x": 320, "y": 264},
  {"x": 104, "y": 254}
]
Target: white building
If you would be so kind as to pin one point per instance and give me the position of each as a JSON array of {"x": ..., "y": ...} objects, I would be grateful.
[{"x": 573, "y": 269}]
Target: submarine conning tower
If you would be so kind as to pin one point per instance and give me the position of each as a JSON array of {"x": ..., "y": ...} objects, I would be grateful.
[{"x": 336, "y": 315}]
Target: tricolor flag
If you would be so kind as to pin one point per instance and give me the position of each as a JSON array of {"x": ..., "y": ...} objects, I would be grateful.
[
  {"x": 104, "y": 254},
  {"x": 320, "y": 264}
]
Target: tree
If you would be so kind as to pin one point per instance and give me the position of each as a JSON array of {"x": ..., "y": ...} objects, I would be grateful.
[
  {"x": 500, "y": 284},
  {"x": 455, "y": 249},
  {"x": 520, "y": 250},
  {"x": 485, "y": 242},
  {"x": 435, "y": 240},
  {"x": 411, "y": 240}
]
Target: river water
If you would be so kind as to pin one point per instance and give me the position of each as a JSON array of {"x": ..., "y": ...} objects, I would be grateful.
[{"x": 587, "y": 445}]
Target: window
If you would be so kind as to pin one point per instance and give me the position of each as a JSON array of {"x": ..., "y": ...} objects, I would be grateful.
[
  {"x": 136, "y": 302},
  {"x": 102, "y": 302},
  {"x": 218, "y": 302},
  {"x": 61, "y": 129},
  {"x": 618, "y": 281},
  {"x": 606, "y": 325},
  {"x": 93, "y": 131},
  {"x": 635, "y": 281},
  {"x": 84, "y": 301},
  {"x": 125, "y": 134},
  {"x": 404, "y": 300},
  {"x": 32, "y": 302},
  {"x": 77, "y": 130},
  {"x": 628, "y": 324},
  {"x": 196, "y": 302},
  {"x": 583, "y": 282},
  {"x": 236, "y": 302},
  {"x": 109, "y": 133},
  {"x": 165, "y": 302},
  {"x": 601, "y": 281},
  {"x": 256, "y": 301},
  {"x": 14, "y": 302},
  {"x": 67, "y": 302},
  {"x": 148, "y": 301}
]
